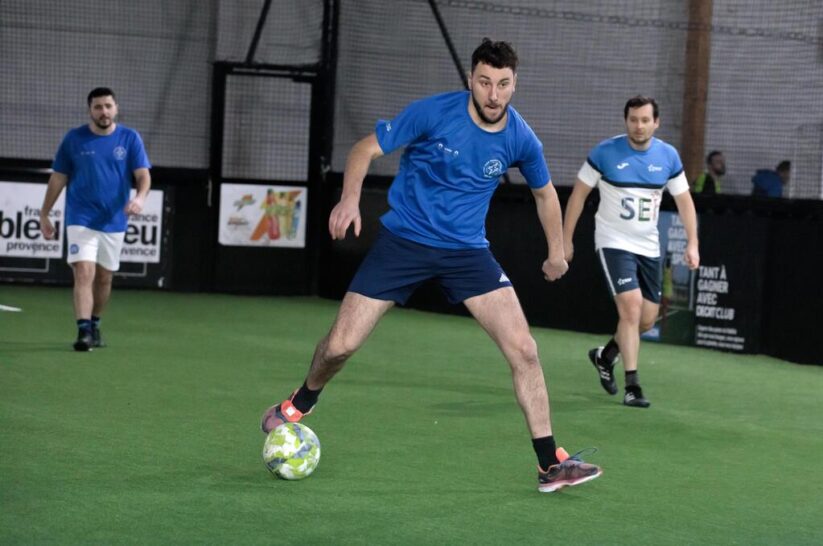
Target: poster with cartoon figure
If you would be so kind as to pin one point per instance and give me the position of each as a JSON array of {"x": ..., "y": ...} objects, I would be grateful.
[{"x": 262, "y": 215}]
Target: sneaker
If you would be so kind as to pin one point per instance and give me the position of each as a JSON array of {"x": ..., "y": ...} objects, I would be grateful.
[
  {"x": 604, "y": 370},
  {"x": 634, "y": 397},
  {"x": 570, "y": 471},
  {"x": 84, "y": 341},
  {"x": 97, "y": 339},
  {"x": 282, "y": 413}
]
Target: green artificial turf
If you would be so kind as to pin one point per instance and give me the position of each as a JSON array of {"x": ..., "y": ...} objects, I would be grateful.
[{"x": 155, "y": 439}]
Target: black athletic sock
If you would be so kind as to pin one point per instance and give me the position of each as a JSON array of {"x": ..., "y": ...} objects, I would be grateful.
[
  {"x": 610, "y": 351},
  {"x": 545, "y": 449},
  {"x": 84, "y": 325},
  {"x": 305, "y": 398},
  {"x": 632, "y": 379},
  {"x": 95, "y": 322}
]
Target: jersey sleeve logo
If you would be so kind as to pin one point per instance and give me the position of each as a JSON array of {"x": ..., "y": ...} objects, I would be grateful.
[
  {"x": 120, "y": 153},
  {"x": 493, "y": 168}
]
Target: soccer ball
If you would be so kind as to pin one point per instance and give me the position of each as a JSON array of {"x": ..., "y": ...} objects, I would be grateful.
[{"x": 291, "y": 451}]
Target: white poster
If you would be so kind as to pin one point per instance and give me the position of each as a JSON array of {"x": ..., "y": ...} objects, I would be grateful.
[
  {"x": 20, "y": 235},
  {"x": 263, "y": 215},
  {"x": 144, "y": 231}
]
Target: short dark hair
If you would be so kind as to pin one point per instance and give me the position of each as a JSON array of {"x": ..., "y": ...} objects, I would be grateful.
[
  {"x": 712, "y": 155},
  {"x": 496, "y": 54},
  {"x": 784, "y": 166},
  {"x": 100, "y": 92},
  {"x": 637, "y": 102}
]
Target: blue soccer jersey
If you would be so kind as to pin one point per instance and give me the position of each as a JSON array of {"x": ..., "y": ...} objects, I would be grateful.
[
  {"x": 99, "y": 170},
  {"x": 450, "y": 169},
  {"x": 631, "y": 184}
]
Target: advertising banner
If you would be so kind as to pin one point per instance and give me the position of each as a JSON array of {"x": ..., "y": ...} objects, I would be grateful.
[
  {"x": 26, "y": 256},
  {"x": 20, "y": 235},
  {"x": 263, "y": 215},
  {"x": 675, "y": 323},
  {"x": 143, "y": 232},
  {"x": 730, "y": 281}
]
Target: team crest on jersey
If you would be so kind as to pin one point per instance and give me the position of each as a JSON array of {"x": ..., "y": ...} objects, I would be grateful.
[
  {"x": 120, "y": 153},
  {"x": 493, "y": 168}
]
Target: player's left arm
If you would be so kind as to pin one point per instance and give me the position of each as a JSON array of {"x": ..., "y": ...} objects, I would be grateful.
[
  {"x": 551, "y": 218},
  {"x": 142, "y": 183},
  {"x": 688, "y": 215}
]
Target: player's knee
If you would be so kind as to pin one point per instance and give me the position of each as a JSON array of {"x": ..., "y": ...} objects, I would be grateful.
[
  {"x": 83, "y": 275},
  {"x": 646, "y": 325},
  {"x": 525, "y": 348},
  {"x": 630, "y": 313},
  {"x": 338, "y": 349}
]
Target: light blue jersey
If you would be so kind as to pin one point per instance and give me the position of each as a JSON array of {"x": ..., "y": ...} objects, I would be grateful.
[
  {"x": 450, "y": 169},
  {"x": 631, "y": 184},
  {"x": 99, "y": 170}
]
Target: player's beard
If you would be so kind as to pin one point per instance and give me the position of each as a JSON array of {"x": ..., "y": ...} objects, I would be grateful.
[
  {"x": 479, "y": 109},
  {"x": 103, "y": 123},
  {"x": 640, "y": 142}
]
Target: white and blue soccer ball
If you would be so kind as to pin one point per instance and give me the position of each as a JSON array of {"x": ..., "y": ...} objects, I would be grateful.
[{"x": 291, "y": 451}]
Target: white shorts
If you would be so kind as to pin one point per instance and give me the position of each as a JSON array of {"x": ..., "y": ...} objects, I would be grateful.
[{"x": 90, "y": 245}]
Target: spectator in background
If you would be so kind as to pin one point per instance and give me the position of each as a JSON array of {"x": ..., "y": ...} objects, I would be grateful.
[
  {"x": 769, "y": 183},
  {"x": 708, "y": 183}
]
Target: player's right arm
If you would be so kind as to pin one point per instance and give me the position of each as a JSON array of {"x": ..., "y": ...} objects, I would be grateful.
[
  {"x": 57, "y": 181},
  {"x": 347, "y": 211},
  {"x": 574, "y": 208}
]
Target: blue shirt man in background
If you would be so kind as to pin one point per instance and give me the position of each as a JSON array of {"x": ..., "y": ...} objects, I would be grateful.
[
  {"x": 96, "y": 163},
  {"x": 769, "y": 183},
  {"x": 457, "y": 146}
]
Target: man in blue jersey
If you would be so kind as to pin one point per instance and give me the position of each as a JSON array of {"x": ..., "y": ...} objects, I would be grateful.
[
  {"x": 457, "y": 146},
  {"x": 96, "y": 164},
  {"x": 631, "y": 171}
]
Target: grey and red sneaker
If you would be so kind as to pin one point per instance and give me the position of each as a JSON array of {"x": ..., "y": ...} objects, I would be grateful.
[
  {"x": 570, "y": 471},
  {"x": 284, "y": 412},
  {"x": 604, "y": 369}
]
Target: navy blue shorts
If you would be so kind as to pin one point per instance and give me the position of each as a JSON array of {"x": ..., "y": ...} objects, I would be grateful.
[
  {"x": 395, "y": 267},
  {"x": 626, "y": 271}
]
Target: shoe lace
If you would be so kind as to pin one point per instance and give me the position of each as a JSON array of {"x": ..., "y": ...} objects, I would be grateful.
[{"x": 577, "y": 456}]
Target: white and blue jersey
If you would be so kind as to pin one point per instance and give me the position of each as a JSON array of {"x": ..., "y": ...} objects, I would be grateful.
[
  {"x": 450, "y": 169},
  {"x": 631, "y": 184},
  {"x": 99, "y": 170}
]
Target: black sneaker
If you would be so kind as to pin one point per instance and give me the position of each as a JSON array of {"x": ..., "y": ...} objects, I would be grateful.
[
  {"x": 84, "y": 341},
  {"x": 634, "y": 397},
  {"x": 604, "y": 370},
  {"x": 97, "y": 339}
]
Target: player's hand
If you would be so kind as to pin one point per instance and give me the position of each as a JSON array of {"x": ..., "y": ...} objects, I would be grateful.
[
  {"x": 135, "y": 206},
  {"x": 554, "y": 269},
  {"x": 343, "y": 215},
  {"x": 568, "y": 248},
  {"x": 692, "y": 256},
  {"x": 46, "y": 228}
]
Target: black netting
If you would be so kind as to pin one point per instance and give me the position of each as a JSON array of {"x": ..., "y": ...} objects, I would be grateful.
[{"x": 581, "y": 61}]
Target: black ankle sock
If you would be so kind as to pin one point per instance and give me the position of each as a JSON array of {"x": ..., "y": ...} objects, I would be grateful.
[
  {"x": 305, "y": 398},
  {"x": 84, "y": 325},
  {"x": 632, "y": 379},
  {"x": 610, "y": 351},
  {"x": 95, "y": 321},
  {"x": 545, "y": 449}
]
